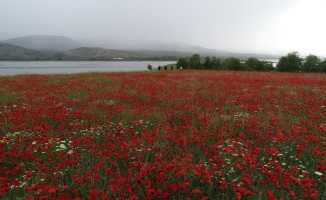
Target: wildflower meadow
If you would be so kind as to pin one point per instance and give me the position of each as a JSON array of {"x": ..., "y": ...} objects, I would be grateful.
[{"x": 163, "y": 135}]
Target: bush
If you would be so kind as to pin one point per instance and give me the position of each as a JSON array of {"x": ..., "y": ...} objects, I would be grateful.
[{"x": 289, "y": 63}]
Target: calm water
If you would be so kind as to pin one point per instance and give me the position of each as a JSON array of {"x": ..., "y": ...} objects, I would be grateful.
[{"x": 67, "y": 67}]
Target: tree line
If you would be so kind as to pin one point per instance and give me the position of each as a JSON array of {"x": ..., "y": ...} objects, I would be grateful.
[{"x": 288, "y": 63}]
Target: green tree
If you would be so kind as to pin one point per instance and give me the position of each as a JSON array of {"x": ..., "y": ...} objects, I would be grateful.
[
  {"x": 268, "y": 66},
  {"x": 183, "y": 62},
  {"x": 256, "y": 65},
  {"x": 245, "y": 67},
  {"x": 323, "y": 66},
  {"x": 208, "y": 64},
  {"x": 216, "y": 63},
  {"x": 195, "y": 62},
  {"x": 289, "y": 63},
  {"x": 149, "y": 67},
  {"x": 232, "y": 64},
  {"x": 312, "y": 64}
]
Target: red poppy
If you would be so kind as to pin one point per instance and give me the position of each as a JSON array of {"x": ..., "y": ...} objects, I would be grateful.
[{"x": 197, "y": 191}]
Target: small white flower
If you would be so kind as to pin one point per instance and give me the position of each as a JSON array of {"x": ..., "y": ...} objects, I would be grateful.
[
  {"x": 23, "y": 184},
  {"x": 318, "y": 173}
]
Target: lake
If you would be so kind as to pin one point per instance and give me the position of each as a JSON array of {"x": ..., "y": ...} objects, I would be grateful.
[{"x": 68, "y": 67}]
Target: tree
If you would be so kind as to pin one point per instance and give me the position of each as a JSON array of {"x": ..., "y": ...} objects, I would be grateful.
[
  {"x": 183, "y": 62},
  {"x": 323, "y": 66},
  {"x": 194, "y": 62},
  {"x": 208, "y": 63},
  {"x": 149, "y": 67},
  {"x": 256, "y": 65},
  {"x": 232, "y": 64},
  {"x": 269, "y": 66},
  {"x": 216, "y": 63},
  {"x": 312, "y": 64},
  {"x": 289, "y": 63}
]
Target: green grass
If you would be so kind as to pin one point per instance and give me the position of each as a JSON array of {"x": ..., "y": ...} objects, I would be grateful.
[
  {"x": 10, "y": 97},
  {"x": 168, "y": 67}
]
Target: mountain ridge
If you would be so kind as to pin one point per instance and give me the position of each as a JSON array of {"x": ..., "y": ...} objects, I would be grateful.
[
  {"x": 44, "y": 42},
  {"x": 13, "y": 52},
  {"x": 63, "y": 47}
]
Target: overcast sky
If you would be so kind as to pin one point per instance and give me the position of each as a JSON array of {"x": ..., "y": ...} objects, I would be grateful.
[{"x": 256, "y": 26}]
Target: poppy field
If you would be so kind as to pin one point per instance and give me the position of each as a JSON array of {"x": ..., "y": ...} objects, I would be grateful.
[{"x": 163, "y": 135}]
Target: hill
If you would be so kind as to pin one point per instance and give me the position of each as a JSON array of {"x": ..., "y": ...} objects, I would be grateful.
[
  {"x": 88, "y": 52},
  {"x": 180, "y": 49},
  {"x": 63, "y": 48},
  {"x": 44, "y": 42},
  {"x": 12, "y": 52},
  {"x": 100, "y": 53},
  {"x": 147, "y": 45}
]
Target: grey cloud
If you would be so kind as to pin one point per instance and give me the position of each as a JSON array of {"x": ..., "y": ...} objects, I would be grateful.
[{"x": 237, "y": 25}]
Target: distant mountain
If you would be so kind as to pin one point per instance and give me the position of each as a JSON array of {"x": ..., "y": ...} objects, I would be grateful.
[
  {"x": 181, "y": 47},
  {"x": 157, "y": 46},
  {"x": 63, "y": 48},
  {"x": 109, "y": 43},
  {"x": 12, "y": 52},
  {"x": 44, "y": 42}
]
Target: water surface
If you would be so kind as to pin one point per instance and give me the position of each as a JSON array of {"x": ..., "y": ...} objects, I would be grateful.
[{"x": 67, "y": 67}]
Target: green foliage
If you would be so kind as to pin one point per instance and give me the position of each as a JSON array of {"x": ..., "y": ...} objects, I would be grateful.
[
  {"x": 6, "y": 98},
  {"x": 172, "y": 66},
  {"x": 149, "y": 67},
  {"x": 312, "y": 64},
  {"x": 216, "y": 63},
  {"x": 289, "y": 63},
  {"x": 183, "y": 62},
  {"x": 323, "y": 66},
  {"x": 233, "y": 64},
  {"x": 245, "y": 67},
  {"x": 269, "y": 66},
  {"x": 257, "y": 65},
  {"x": 194, "y": 62},
  {"x": 208, "y": 63}
]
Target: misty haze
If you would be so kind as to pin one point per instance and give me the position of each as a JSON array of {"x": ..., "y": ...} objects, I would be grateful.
[{"x": 251, "y": 27}]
